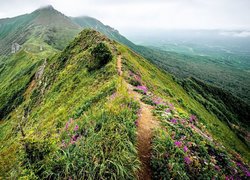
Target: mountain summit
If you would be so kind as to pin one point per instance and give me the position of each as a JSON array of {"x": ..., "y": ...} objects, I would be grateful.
[{"x": 47, "y": 7}]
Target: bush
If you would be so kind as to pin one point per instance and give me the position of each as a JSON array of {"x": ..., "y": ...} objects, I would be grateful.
[{"x": 101, "y": 56}]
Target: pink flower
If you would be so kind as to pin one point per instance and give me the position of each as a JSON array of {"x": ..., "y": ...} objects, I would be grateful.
[
  {"x": 174, "y": 121},
  {"x": 76, "y": 128},
  {"x": 67, "y": 126},
  {"x": 171, "y": 106},
  {"x": 185, "y": 149},
  {"x": 143, "y": 88},
  {"x": 168, "y": 110},
  {"x": 64, "y": 144},
  {"x": 178, "y": 143},
  {"x": 192, "y": 118},
  {"x": 74, "y": 138},
  {"x": 228, "y": 178},
  {"x": 217, "y": 168},
  {"x": 187, "y": 160}
]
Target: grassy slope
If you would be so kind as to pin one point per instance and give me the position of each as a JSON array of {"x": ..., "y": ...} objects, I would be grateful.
[
  {"x": 158, "y": 81},
  {"x": 99, "y": 104},
  {"x": 216, "y": 158},
  {"x": 106, "y": 147}
]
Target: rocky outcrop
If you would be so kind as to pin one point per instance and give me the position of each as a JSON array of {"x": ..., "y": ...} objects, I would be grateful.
[
  {"x": 40, "y": 71},
  {"x": 15, "y": 47}
]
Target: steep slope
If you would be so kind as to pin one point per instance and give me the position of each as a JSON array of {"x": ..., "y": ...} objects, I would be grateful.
[
  {"x": 181, "y": 65},
  {"x": 80, "y": 84},
  {"x": 232, "y": 110},
  {"x": 79, "y": 119},
  {"x": 43, "y": 25},
  {"x": 191, "y": 142},
  {"x": 40, "y": 34}
]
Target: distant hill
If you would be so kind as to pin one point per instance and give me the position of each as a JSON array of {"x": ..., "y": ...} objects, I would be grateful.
[{"x": 43, "y": 25}]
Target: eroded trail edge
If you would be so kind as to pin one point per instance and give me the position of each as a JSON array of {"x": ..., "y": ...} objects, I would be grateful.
[{"x": 146, "y": 124}]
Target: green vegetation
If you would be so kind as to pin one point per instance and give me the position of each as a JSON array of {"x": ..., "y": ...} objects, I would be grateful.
[
  {"x": 69, "y": 114},
  {"x": 187, "y": 146},
  {"x": 224, "y": 105},
  {"x": 215, "y": 71},
  {"x": 98, "y": 143},
  {"x": 101, "y": 56}
]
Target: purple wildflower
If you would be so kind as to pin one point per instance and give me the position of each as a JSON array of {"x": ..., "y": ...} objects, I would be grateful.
[
  {"x": 174, "y": 121},
  {"x": 137, "y": 78},
  {"x": 67, "y": 126},
  {"x": 64, "y": 144},
  {"x": 192, "y": 118},
  {"x": 143, "y": 88},
  {"x": 187, "y": 160},
  {"x": 168, "y": 110},
  {"x": 185, "y": 148},
  {"x": 74, "y": 138},
  {"x": 247, "y": 173},
  {"x": 239, "y": 164},
  {"x": 178, "y": 143},
  {"x": 76, "y": 128},
  {"x": 217, "y": 168},
  {"x": 171, "y": 106},
  {"x": 228, "y": 178}
]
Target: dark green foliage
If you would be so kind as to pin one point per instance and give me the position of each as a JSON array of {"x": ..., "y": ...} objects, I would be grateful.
[
  {"x": 101, "y": 56},
  {"x": 211, "y": 70},
  {"x": 148, "y": 100},
  {"x": 223, "y": 104},
  {"x": 15, "y": 81}
]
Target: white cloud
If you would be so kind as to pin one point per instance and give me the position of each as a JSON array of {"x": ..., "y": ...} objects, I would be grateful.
[
  {"x": 139, "y": 15},
  {"x": 242, "y": 34}
]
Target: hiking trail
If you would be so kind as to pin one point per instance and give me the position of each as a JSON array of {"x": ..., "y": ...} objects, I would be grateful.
[{"x": 146, "y": 124}]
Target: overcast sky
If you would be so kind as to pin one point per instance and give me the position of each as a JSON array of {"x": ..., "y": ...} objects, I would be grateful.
[{"x": 137, "y": 15}]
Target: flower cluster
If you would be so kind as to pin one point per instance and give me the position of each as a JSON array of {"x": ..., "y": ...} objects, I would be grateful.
[
  {"x": 71, "y": 133},
  {"x": 143, "y": 88},
  {"x": 190, "y": 143}
]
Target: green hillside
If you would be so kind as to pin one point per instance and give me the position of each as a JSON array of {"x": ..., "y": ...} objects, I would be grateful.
[
  {"x": 230, "y": 75},
  {"x": 31, "y": 30},
  {"x": 78, "y": 119}
]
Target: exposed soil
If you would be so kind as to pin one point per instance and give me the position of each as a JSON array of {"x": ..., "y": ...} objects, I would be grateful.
[{"x": 146, "y": 124}]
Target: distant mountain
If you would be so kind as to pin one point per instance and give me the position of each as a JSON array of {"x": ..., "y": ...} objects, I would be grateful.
[
  {"x": 89, "y": 22},
  {"x": 43, "y": 25}
]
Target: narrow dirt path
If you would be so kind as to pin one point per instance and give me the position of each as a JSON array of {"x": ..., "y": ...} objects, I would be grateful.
[{"x": 146, "y": 123}]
